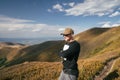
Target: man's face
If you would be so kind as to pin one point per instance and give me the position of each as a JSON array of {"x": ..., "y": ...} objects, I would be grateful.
[{"x": 67, "y": 37}]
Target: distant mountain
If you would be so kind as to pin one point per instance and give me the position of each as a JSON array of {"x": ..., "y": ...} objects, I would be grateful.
[{"x": 7, "y": 48}]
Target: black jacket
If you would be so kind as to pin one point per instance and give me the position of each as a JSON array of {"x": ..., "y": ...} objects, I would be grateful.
[{"x": 70, "y": 54}]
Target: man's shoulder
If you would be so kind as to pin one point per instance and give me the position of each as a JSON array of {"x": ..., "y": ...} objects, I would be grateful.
[{"x": 76, "y": 43}]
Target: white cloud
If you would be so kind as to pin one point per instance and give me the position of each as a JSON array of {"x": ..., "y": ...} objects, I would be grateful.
[
  {"x": 13, "y": 20},
  {"x": 117, "y": 13},
  {"x": 58, "y": 7},
  {"x": 36, "y": 30},
  {"x": 71, "y": 4},
  {"x": 11, "y": 26},
  {"x": 38, "y": 27},
  {"x": 89, "y": 7},
  {"x": 93, "y": 7},
  {"x": 108, "y": 24},
  {"x": 61, "y": 29},
  {"x": 22, "y": 28},
  {"x": 114, "y": 25}
]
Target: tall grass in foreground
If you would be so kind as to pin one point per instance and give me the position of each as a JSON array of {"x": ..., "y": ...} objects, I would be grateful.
[
  {"x": 48, "y": 71},
  {"x": 32, "y": 71},
  {"x": 88, "y": 68}
]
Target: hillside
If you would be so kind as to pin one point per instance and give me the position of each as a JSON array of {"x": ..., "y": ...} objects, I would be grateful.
[
  {"x": 94, "y": 40},
  {"x": 91, "y": 42},
  {"x": 8, "y": 51},
  {"x": 88, "y": 68},
  {"x": 85, "y": 39},
  {"x": 47, "y": 51},
  {"x": 99, "y": 49}
]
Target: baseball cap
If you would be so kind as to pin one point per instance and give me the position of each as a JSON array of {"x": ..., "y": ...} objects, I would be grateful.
[{"x": 67, "y": 31}]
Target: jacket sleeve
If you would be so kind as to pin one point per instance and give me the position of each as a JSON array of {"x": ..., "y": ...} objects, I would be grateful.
[{"x": 69, "y": 52}]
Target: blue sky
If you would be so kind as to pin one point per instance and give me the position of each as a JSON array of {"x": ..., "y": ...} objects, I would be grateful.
[{"x": 43, "y": 18}]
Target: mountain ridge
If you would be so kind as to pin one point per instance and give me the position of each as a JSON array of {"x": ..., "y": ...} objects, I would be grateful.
[
  {"x": 44, "y": 51},
  {"x": 41, "y": 61}
]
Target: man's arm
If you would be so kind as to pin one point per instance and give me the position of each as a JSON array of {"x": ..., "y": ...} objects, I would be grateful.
[{"x": 69, "y": 52}]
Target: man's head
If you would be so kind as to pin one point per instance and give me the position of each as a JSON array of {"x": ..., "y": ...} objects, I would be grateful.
[{"x": 68, "y": 34}]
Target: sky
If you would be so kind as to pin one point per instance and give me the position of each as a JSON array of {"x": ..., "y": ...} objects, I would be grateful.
[{"x": 48, "y": 18}]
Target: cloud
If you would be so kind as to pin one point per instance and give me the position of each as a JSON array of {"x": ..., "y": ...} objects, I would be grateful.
[
  {"x": 61, "y": 29},
  {"x": 108, "y": 24},
  {"x": 71, "y": 4},
  {"x": 89, "y": 7},
  {"x": 26, "y": 28},
  {"x": 38, "y": 27},
  {"x": 117, "y": 13},
  {"x": 58, "y": 7},
  {"x": 105, "y": 25},
  {"x": 114, "y": 25},
  {"x": 13, "y": 20}
]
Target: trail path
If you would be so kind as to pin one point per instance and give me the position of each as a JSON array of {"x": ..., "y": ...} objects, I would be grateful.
[{"x": 106, "y": 70}]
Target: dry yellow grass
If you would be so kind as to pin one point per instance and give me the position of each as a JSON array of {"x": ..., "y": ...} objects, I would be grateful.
[
  {"x": 88, "y": 68},
  {"x": 32, "y": 71},
  {"x": 92, "y": 66}
]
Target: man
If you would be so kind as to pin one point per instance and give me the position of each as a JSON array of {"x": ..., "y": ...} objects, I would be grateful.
[{"x": 69, "y": 54}]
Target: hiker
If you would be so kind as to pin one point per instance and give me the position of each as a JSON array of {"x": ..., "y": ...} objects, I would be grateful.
[{"x": 69, "y": 54}]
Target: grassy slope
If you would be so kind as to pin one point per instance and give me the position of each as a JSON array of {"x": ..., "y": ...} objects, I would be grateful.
[
  {"x": 103, "y": 47},
  {"x": 9, "y": 50},
  {"x": 85, "y": 39},
  {"x": 47, "y": 51},
  {"x": 4, "y": 51},
  {"x": 51, "y": 70},
  {"x": 96, "y": 43}
]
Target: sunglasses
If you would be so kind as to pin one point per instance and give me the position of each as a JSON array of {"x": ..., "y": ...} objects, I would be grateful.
[{"x": 66, "y": 34}]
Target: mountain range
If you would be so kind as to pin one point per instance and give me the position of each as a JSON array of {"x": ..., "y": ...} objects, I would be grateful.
[{"x": 99, "y": 49}]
